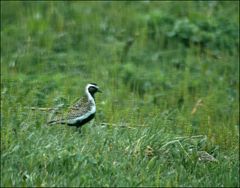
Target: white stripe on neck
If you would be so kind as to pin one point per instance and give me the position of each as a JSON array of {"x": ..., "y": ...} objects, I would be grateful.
[{"x": 90, "y": 97}]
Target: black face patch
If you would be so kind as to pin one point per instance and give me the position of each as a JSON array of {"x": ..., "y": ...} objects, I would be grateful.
[{"x": 92, "y": 90}]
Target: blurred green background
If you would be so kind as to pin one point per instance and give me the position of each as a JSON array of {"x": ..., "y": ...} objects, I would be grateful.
[{"x": 169, "y": 72}]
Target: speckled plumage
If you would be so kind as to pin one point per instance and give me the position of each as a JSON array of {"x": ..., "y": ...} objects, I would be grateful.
[
  {"x": 81, "y": 112},
  {"x": 81, "y": 107}
]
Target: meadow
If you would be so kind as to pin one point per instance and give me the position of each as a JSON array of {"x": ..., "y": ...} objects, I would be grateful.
[{"x": 169, "y": 72}]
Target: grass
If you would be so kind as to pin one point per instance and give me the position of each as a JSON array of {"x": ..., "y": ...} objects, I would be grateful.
[{"x": 155, "y": 62}]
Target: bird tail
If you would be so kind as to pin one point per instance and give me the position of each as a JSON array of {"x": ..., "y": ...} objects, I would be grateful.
[
  {"x": 51, "y": 122},
  {"x": 56, "y": 121}
]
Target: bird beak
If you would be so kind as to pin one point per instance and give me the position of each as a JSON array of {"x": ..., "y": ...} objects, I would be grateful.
[{"x": 99, "y": 91}]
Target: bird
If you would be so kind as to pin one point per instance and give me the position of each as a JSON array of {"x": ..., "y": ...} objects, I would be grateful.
[{"x": 82, "y": 111}]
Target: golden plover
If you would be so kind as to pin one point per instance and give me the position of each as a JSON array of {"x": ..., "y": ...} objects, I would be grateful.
[{"x": 82, "y": 112}]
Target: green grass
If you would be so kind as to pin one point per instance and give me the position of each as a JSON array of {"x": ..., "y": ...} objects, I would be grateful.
[{"x": 153, "y": 60}]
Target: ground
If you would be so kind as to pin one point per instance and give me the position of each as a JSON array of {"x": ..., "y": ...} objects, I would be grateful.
[{"x": 169, "y": 111}]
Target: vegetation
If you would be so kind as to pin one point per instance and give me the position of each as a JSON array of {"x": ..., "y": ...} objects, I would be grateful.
[{"x": 169, "y": 73}]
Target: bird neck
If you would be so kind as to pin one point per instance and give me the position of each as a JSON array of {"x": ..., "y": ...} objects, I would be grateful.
[{"x": 89, "y": 96}]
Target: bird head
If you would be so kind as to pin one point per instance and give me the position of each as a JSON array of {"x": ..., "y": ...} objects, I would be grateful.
[{"x": 92, "y": 88}]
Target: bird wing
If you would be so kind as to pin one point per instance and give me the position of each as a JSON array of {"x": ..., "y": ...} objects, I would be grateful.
[
  {"x": 80, "y": 108},
  {"x": 77, "y": 110}
]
